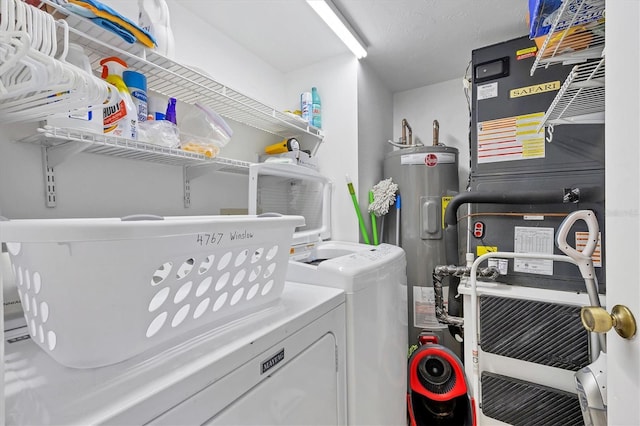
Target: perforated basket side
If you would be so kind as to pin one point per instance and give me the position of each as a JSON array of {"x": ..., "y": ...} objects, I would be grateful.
[{"x": 96, "y": 303}]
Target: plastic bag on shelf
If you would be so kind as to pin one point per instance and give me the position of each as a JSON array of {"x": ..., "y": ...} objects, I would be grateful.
[
  {"x": 159, "y": 132},
  {"x": 203, "y": 131}
]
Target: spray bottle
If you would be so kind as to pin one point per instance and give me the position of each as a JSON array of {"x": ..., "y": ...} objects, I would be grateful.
[
  {"x": 137, "y": 85},
  {"x": 305, "y": 106},
  {"x": 120, "y": 119}
]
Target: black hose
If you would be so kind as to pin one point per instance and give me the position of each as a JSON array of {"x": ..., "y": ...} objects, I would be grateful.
[{"x": 552, "y": 196}]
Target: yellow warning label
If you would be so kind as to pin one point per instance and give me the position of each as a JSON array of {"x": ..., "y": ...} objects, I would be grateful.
[
  {"x": 480, "y": 250},
  {"x": 533, "y": 149},
  {"x": 529, "y": 52},
  {"x": 532, "y": 49},
  {"x": 445, "y": 203},
  {"x": 534, "y": 90},
  {"x": 511, "y": 138}
]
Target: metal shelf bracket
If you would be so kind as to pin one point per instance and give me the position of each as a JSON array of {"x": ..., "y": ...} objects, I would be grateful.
[
  {"x": 193, "y": 172},
  {"x": 53, "y": 156}
]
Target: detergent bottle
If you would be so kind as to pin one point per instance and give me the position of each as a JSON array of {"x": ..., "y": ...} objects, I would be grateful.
[
  {"x": 153, "y": 16},
  {"x": 120, "y": 118}
]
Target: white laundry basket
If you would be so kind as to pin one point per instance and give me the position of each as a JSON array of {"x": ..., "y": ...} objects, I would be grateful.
[{"x": 99, "y": 291}]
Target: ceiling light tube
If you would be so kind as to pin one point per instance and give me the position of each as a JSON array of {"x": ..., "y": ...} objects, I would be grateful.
[{"x": 334, "y": 19}]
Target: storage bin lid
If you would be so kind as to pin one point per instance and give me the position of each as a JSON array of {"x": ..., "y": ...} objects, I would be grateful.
[{"x": 291, "y": 189}]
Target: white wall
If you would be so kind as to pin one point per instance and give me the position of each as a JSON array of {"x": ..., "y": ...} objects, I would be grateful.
[
  {"x": 336, "y": 80},
  {"x": 375, "y": 128},
  {"x": 356, "y": 117},
  {"x": 201, "y": 45},
  {"x": 444, "y": 102}
]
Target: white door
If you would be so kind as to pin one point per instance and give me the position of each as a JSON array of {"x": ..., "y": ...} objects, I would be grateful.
[{"x": 623, "y": 203}]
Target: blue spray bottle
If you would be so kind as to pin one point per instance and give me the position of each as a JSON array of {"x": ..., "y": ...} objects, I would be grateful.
[{"x": 316, "y": 109}]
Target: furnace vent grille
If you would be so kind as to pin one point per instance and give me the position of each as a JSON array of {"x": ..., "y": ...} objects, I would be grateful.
[
  {"x": 521, "y": 403},
  {"x": 544, "y": 333}
]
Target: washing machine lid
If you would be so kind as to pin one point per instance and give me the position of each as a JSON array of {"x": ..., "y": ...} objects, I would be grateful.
[{"x": 293, "y": 189}]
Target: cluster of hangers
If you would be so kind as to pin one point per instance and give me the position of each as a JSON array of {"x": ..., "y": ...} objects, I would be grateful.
[{"x": 36, "y": 79}]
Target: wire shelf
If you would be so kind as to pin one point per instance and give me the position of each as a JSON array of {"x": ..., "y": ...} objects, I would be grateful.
[
  {"x": 580, "y": 100},
  {"x": 576, "y": 35},
  {"x": 170, "y": 78},
  {"x": 71, "y": 141}
]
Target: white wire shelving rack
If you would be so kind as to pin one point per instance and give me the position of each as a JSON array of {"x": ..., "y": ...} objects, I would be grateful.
[
  {"x": 169, "y": 78},
  {"x": 580, "y": 100},
  {"x": 60, "y": 144},
  {"x": 186, "y": 84},
  {"x": 577, "y": 36}
]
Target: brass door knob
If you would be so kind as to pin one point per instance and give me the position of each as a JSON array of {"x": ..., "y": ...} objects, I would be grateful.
[{"x": 598, "y": 320}]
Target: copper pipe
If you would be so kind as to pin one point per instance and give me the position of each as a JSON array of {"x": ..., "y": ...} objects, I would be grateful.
[
  {"x": 405, "y": 126},
  {"x": 436, "y": 132}
]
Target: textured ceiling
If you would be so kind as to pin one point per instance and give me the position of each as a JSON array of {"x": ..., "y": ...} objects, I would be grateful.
[{"x": 411, "y": 43}]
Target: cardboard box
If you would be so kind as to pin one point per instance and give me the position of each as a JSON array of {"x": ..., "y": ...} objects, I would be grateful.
[{"x": 543, "y": 13}]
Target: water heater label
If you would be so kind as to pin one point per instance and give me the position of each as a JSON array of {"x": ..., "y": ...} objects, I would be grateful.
[
  {"x": 424, "y": 307},
  {"x": 510, "y": 139},
  {"x": 445, "y": 202},
  {"x": 428, "y": 159}
]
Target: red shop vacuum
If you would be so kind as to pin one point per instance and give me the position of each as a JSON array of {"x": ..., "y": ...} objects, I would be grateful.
[{"x": 438, "y": 393}]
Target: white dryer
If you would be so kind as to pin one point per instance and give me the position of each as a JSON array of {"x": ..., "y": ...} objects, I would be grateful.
[
  {"x": 282, "y": 365},
  {"x": 373, "y": 278}
]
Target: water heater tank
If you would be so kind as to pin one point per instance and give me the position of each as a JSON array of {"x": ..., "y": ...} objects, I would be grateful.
[{"x": 427, "y": 178}]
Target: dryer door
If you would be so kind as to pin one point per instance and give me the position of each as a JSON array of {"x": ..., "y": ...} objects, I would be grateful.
[
  {"x": 295, "y": 382},
  {"x": 304, "y": 392}
]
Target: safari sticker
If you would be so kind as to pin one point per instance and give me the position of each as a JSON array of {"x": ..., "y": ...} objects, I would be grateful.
[{"x": 534, "y": 90}]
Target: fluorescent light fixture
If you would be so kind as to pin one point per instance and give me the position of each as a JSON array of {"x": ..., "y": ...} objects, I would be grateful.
[{"x": 334, "y": 19}]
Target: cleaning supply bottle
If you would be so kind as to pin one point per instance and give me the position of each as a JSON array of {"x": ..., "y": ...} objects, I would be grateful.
[
  {"x": 305, "y": 106},
  {"x": 112, "y": 66},
  {"x": 171, "y": 111},
  {"x": 137, "y": 85},
  {"x": 153, "y": 16},
  {"x": 316, "y": 109},
  {"x": 121, "y": 118},
  {"x": 156, "y": 105}
]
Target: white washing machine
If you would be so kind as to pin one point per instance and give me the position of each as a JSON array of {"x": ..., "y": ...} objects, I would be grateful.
[
  {"x": 283, "y": 365},
  {"x": 373, "y": 278}
]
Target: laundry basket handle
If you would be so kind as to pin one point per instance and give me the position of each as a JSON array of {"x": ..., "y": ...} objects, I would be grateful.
[
  {"x": 270, "y": 214},
  {"x": 137, "y": 217}
]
